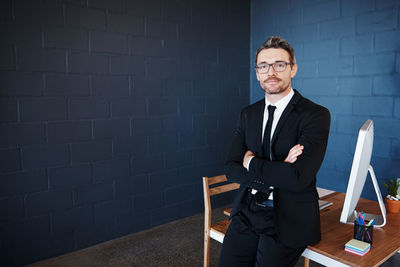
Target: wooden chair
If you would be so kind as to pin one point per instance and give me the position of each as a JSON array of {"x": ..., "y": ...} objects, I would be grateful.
[{"x": 217, "y": 230}]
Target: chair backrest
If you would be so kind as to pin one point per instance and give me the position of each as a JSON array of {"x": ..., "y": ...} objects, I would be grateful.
[
  {"x": 211, "y": 188},
  {"x": 211, "y": 191}
]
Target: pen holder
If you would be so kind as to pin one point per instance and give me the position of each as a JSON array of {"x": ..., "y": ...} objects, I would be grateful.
[{"x": 363, "y": 232}]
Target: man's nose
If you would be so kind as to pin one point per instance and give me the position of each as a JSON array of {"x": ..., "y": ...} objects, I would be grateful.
[{"x": 271, "y": 71}]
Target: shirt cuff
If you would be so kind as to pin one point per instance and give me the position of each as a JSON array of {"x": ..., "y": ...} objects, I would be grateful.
[{"x": 248, "y": 164}]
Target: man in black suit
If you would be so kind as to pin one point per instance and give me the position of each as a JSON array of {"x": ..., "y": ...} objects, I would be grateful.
[{"x": 277, "y": 150}]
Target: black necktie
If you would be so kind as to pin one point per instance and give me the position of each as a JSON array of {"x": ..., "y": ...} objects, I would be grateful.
[{"x": 267, "y": 133}]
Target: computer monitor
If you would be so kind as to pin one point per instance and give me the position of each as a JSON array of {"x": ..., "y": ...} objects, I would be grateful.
[{"x": 359, "y": 170}]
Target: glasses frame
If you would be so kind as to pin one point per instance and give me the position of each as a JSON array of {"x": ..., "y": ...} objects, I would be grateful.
[{"x": 257, "y": 67}]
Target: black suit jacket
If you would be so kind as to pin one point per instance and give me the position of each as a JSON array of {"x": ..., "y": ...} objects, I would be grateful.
[{"x": 296, "y": 207}]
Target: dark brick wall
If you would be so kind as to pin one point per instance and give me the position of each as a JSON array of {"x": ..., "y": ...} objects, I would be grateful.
[
  {"x": 349, "y": 61},
  {"x": 110, "y": 114}
]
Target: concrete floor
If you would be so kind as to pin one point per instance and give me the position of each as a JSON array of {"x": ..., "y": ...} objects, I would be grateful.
[{"x": 179, "y": 243}]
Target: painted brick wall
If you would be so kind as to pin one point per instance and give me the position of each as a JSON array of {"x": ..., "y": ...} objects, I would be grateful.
[
  {"x": 110, "y": 114},
  {"x": 348, "y": 57}
]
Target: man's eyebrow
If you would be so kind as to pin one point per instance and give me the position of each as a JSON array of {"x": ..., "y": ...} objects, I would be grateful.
[{"x": 265, "y": 62}]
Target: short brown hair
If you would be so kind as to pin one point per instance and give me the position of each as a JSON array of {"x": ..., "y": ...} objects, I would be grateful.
[{"x": 277, "y": 42}]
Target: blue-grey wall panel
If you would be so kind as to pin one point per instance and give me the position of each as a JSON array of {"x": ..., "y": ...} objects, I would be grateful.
[
  {"x": 348, "y": 58},
  {"x": 110, "y": 114}
]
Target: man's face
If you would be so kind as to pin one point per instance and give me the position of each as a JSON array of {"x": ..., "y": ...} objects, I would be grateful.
[{"x": 274, "y": 82}]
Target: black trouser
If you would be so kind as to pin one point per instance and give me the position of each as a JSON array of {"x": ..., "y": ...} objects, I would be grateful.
[{"x": 251, "y": 240}]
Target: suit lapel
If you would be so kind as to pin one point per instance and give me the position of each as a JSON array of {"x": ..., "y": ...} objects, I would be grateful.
[
  {"x": 258, "y": 123},
  {"x": 296, "y": 97}
]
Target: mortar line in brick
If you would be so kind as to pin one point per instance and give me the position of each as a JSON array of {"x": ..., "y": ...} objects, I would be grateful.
[
  {"x": 91, "y": 131},
  {"x": 146, "y": 68},
  {"x": 91, "y": 172},
  {"x": 70, "y": 154},
  {"x": 109, "y": 64},
  {"x": 46, "y": 131},
  {"x": 20, "y": 159},
  {"x": 373, "y": 43},
  {"x": 42, "y": 36},
  {"x": 145, "y": 21},
  {"x": 114, "y": 190},
  {"x": 63, "y": 14},
  {"x": 12, "y": 10},
  {"x": 14, "y": 51},
  {"x": 16, "y": 57},
  {"x": 51, "y": 226},
  {"x": 90, "y": 77},
  {"x": 130, "y": 83},
  {"x": 44, "y": 84},
  {"x": 90, "y": 42},
  {"x": 191, "y": 15},
  {"x": 25, "y": 206},
  {"x": 73, "y": 197},
  {"x": 112, "y": 147},
  {"x": 107, "y": 19},
  {"x": 67, "y": 52},
  {"x": 130, "y": 127},
  {"x": 48, "y": 178},
  {"x": 68, "y": 108}
]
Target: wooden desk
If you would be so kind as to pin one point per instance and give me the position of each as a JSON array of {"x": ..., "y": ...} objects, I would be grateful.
[{"x": 330, "y": 250}]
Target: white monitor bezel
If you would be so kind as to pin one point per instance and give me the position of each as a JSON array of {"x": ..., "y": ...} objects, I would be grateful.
[{"x": 359, "y": 171}]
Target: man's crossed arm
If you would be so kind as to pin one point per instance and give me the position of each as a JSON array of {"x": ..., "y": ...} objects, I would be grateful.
[{"x": 294, "y": 152}]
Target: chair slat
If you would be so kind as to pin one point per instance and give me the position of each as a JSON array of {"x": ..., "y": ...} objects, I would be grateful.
[
  {"x": 228, "y": 212},
  {"x": 223, "y": 188},
  {"x": 217, "y": 179},
  {"x": 221, "y": 226}
]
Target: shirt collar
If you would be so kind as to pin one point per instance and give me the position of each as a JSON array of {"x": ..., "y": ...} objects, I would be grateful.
[{"x": 281, "y": 104}]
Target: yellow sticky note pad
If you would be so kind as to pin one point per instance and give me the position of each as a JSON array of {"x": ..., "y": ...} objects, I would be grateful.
[{"x": 358, "y": 245}]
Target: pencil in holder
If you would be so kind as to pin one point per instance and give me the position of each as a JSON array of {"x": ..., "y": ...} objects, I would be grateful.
[{"x": 363, "y": 232}]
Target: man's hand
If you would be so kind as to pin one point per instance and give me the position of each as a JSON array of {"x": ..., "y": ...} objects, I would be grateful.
[
  {"x": 294, "y": 152},
  {"x": 249, "y": 154}
]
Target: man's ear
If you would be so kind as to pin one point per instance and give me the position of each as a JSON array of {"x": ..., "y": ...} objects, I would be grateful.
[{"x": 293, "y": 70}]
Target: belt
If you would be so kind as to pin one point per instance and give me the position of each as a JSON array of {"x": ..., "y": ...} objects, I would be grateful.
[{"x": 261, "y": 198}]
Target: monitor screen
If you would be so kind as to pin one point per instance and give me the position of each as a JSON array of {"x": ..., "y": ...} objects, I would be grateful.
[{"x": 358, "y": 174}]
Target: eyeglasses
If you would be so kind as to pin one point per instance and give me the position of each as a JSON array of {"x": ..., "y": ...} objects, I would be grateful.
[{"x": 278, "y": 66}]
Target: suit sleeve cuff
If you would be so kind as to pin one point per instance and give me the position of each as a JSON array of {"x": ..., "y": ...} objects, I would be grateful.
[
  {"x": 254, "y": 168},
  {"x": 248, "y": 164}
]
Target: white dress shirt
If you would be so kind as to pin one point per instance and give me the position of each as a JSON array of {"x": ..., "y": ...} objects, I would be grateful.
[{"x": 280, "y": 107}]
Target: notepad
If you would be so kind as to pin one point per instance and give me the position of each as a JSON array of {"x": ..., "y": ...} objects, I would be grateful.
[
  {"x": 356, "y": 252},
  {"x": 357, "y": 244},
  {"x": 357, "y": 247}
]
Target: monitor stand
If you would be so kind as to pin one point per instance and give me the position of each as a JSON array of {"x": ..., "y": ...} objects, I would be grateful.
[{"x": 380, "y": 219}]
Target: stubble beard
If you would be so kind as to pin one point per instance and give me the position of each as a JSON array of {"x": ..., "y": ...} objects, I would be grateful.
[{"x": 280, "y": 90}]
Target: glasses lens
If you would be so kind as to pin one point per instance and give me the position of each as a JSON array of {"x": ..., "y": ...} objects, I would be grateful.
[
  {"x": 262, "y": 68},
  {"x": 279, "y": 66}
]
